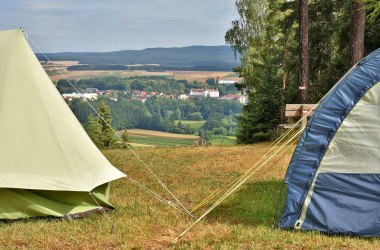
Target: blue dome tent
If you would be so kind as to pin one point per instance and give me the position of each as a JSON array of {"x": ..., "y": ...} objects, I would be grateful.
[{"x": 334, "y": 175}]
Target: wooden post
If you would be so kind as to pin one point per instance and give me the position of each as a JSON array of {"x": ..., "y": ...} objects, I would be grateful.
[{"x": 304, "y": 112}]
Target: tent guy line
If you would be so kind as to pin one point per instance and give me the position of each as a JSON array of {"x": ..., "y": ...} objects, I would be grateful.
[
  {"x": 103, "y": 212},
  {"x": 241, "y": 181},
  {"x": 234, "y": 179},
  {"x": 118, "y": 136},
  {"x": 157, "y": 196},
  {"x": 237, "y": 185}
]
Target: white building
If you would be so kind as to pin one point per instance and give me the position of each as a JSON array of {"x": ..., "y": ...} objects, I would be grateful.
[
  {"x": 226, "y": 82},
  {"x": 198, "y": 92},
  {"x": 239, "y": 98},
  {"x": 72, "y": 96},
  {"x": 88, "y": 96},
  {"x": 213, "y": 93},
  {"x": 183, "y": 97}
]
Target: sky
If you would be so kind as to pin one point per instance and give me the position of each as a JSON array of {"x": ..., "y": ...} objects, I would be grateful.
[{"x": 111, "y": 25}]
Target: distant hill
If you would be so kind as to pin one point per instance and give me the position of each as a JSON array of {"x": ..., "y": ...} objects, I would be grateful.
[{"x": 192, "y": 57}]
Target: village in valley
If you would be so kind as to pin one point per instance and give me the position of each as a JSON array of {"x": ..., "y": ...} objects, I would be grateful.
[
  {"x": 140, "y": 95},
  {"x": 203, "y": 108}
]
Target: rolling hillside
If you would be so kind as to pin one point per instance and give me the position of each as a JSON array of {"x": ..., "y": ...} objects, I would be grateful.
[{"x": 193, "y": 57}]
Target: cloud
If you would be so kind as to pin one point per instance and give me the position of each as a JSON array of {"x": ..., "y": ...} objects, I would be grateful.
[{"x": 95, "y": 25}]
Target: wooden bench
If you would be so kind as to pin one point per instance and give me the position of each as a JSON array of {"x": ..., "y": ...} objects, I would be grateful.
[{"x": 298, "y": 110}]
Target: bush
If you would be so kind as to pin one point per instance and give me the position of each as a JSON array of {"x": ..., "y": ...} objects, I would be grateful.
[
  {"x": 196, "y": 116},
  {"x": 220, "y": 131}
]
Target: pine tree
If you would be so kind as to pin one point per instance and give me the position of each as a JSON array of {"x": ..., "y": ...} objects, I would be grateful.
[
  {"x": 107, "y": 137},
  {"x": 257, "y": 37},
  {"x": 94, "y": 130},
  {"x": 373, "y": 9},
  {"x": 124, "y": 137}
]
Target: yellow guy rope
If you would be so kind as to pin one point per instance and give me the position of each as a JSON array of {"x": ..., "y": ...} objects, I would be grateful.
[
  {"x": 235, "y": 179},
  {"x": 244, "y": 178}
]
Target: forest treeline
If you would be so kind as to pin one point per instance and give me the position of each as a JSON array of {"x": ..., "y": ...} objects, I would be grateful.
[{"x": 267, "y": 37}]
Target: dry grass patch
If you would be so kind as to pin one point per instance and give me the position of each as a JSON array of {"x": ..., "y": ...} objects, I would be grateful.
[{"x": 85, "y": 74}]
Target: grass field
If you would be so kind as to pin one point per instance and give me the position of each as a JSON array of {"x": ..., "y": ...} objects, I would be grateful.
[
  {"x": 243, "y": 221},
  {"x": 193, "y": 124},
  {"x": 156, "y": 138}
]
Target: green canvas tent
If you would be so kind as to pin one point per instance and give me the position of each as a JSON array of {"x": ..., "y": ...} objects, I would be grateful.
[{"x": 48, "y": 164}]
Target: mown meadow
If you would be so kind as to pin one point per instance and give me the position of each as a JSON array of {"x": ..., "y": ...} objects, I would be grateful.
[{"x": 243, "y": 221}]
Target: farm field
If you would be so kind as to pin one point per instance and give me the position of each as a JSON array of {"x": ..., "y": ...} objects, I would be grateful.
[
  {"x": 77, "y": 75},
  {"x": 65, "y": 63},
  {"x": 215, "y": 139},
  {"x": 178, "y": 75},
  {"x": 193, "y": 124},
  {"x": 243, "y": 221},
  {"x": 156, "y": 138}
]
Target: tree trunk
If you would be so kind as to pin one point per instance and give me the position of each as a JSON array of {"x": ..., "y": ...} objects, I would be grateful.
[
  {"x": 284, "y": 80},
  {"x": 357, "y": 30},
  {"x": 304, "y": 49}
]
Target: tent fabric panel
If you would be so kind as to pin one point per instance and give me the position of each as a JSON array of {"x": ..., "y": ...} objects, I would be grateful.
[
  {"x": 355, "y": 147},
  {"x": 320, "y": 130},
  {"x": 345, "y": 204},
  {"x": 24, "y": 203},
  {"x": 41, "y": 138}
]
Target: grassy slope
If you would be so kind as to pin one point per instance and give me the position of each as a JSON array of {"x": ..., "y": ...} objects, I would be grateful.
[
  {"x": 222, "y": 140},
  {"x": 243, "y": 221},
  {"x": 159, "y": 141}
]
